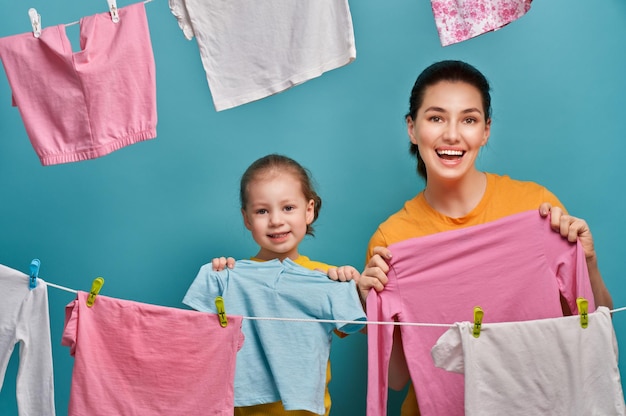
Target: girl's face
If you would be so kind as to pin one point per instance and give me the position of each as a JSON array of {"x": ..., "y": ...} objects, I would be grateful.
[
  {"x": 277, "y": 215},
  {"x": 449, "y": 129}
]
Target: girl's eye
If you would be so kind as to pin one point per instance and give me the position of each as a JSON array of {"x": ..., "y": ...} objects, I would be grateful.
[
  {"x": 289, "y": 208},
  {"x": 261, "y": 211}
]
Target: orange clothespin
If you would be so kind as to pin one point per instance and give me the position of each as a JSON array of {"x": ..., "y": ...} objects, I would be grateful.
[
  {"x": 221, "y": 311},
  {"x": 478, "y": 321},
  {"x": 583, "y": 311},
  {"x": 95, "y": 289}
]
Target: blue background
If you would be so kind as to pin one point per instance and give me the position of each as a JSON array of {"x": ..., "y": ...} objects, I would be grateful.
[{"x": 147, "y": 216}]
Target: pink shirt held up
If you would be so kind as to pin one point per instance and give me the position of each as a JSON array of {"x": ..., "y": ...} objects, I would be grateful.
[{"x": 515, "y": 268}]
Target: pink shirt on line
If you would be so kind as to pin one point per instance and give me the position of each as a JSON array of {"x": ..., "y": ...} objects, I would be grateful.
[
  {"x": 137, "y": 359},
  {"x": 515, "y": 268},
  {"x": 85, "y": 104}
]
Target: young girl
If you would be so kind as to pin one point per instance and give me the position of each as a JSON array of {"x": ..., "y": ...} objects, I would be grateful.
[
  {"x": 279, "y": 205},
  {"x": 448, "y": 123}
]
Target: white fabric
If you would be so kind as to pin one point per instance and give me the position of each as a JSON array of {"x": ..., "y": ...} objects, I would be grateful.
[
  {"x": 540, "y": 367},
  {"x": 24, "y": 318},
  {"x": 253, "y": 49}
]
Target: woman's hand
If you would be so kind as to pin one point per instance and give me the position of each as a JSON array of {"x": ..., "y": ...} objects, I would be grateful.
[
  {"x": 570, "y": 227},
  {"x": 220, "y": 263},
  {"x": 375, "y": 273},
  {"x": 343, "y": 273},
  {"x": 574, "y": 228}
]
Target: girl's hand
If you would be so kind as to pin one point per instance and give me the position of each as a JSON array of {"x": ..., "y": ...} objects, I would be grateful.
[
  {"x": 343, "y": 273},
  {"x": 375, "y": 273},
  {"x": 220, "y": 263},
  {"x": 569, "y": 227}
]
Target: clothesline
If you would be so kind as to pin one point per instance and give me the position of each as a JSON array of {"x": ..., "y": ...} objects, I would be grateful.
[
  {"x": 330, "y": 321},
  {"x": 78, "y": 21}
]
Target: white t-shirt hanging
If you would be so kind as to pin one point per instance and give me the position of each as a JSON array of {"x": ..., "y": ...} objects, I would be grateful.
[
  {"x": 253, "y": 49},
  {"x": 539, "y": 367}
]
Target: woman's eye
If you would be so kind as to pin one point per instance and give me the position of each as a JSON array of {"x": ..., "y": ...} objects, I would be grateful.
[
  {"x": 470, "y": 120},
  {"x": 436, "y": 119}
]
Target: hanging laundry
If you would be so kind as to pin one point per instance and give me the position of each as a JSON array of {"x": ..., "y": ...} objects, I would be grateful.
[
  {"x": 24, "y": 319},
  {"x": 251, "y": 49},
  {"x": 280, "y": 362},
  {"x": 459, "y": 20},
  {"x": 141, "y": 359},
  {"x": 515, "y": 268},
  {"x": 86, "y": 104},
  {"x": 550, "y": 366}
]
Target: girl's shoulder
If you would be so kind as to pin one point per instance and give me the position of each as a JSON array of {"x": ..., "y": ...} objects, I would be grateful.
[{"x": 306, "y": 262}]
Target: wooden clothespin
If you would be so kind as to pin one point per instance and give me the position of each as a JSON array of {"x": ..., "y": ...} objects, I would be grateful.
[
  {"x": 221, "y": 311},
  {"x": 478, "y": 321},
  {"x": 95, "y": 289},
  {"x": 583, "y": 311}
]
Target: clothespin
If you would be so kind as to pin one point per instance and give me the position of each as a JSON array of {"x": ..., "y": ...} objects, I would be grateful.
[
  {"x": 221, "y": 311},
  {"x": 583, "y": 311},
  {"x": 34, "y": 273},
  {"x": 113, "y": 9},
  {"x": 35, "y": 21},
  {"x": 478, "y": 321},
  {"x": 95, "y": 289}
]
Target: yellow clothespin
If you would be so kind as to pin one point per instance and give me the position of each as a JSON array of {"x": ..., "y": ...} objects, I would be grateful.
[
  {"x": 478, "y": 321},
  {"x": 583, "y": 311},
  {"x": 221, "y": 311},
  {"x": 95, "y": 289}
]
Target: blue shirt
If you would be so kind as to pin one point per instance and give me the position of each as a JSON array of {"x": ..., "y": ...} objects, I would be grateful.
[{"x": 280, "y": 360}]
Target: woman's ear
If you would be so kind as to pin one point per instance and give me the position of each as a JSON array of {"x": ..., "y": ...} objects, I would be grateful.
[
  {"x": 410, "y": 127},
  {"x": 487, "y": 132}
]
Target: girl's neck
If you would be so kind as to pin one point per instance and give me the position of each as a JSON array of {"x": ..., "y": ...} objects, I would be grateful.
[
  {"x": 456, "y": 198},
  {"x": 265, "y": 256}
]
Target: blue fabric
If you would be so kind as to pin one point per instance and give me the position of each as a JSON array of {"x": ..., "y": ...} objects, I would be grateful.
[{"x": 280, "y": 360}]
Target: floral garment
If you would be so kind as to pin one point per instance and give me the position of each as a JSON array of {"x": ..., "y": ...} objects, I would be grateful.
[{"x": 459, "y": 20}]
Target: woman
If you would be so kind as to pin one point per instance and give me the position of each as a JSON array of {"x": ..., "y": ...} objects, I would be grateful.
[{"x": 448, "y": 122}]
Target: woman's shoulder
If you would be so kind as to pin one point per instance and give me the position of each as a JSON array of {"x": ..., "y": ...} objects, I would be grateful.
[{"x": 517, "y": 191}]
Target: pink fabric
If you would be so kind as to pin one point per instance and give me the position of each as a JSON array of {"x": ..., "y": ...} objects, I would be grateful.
[
  {"x": 514, "y": 268},
  {"x": 459, "y": 20},
  {"x": 86, "y": 104},
  {"x": 138, "y": 359}
]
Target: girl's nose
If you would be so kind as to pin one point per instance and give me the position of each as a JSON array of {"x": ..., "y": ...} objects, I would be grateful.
[{"x": 276, "y": 218}]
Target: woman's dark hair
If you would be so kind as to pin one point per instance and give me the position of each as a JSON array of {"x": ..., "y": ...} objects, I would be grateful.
[
  {"x": 279, "y": 163},
  {"x": 453, "y": 71}
]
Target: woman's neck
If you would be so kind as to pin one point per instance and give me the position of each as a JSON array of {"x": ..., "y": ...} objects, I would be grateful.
[{"x": 456, "y": 198}]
